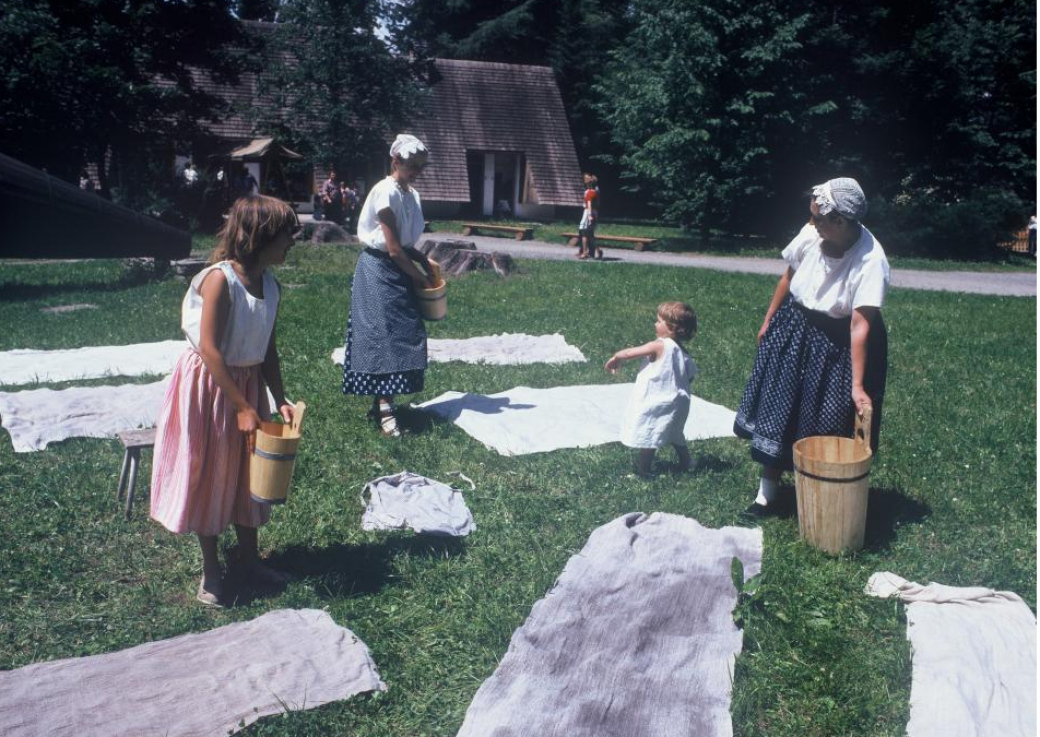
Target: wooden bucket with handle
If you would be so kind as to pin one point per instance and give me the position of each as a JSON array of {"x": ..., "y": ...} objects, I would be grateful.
[
  {"x": 832, "y": 477},
  {"x": 274, "y": 458}
]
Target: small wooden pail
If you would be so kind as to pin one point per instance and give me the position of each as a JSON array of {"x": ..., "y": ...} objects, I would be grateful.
[
  {"x": 274, "y": 458},
  {"x": 831, "y": 482},
  {"x": 433, "y": 303}
]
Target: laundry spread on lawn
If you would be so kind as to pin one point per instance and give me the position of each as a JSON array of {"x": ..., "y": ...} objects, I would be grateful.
[
  {"x": 37, "y": 417},
  {"x": 974, "y": 659},
  {"x": 506, "y": 349},
  {"x": 635, "y": 637},
  {"x": 203, "y": 685},
  {"x": 523, "y": 420},
  {"x": 26, "y": 366},
  {"x": 409, "y": 501}
]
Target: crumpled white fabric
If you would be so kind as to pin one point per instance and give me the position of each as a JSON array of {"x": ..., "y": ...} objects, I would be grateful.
[
  {"x": 974, "y": 659},
  {"x": 407, "y": 500},
  {"x": 37, "y": 417},
  {"x": 25, "y": 366},
  {"x": 523, "y": 420},
  {"x": 505, "y": 349}
]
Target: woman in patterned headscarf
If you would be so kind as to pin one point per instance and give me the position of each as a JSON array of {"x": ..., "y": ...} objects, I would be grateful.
[
  {"x": 822, "y": 348},
  {"x": 386, "y": 338}
]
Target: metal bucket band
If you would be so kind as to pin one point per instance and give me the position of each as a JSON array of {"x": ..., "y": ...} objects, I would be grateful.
[
  {"x": 274, "y": 456},
  {"x": 830, "y": 479},
  {"x": 430, "y": 299},
  {"x": 261, "y": 500}
]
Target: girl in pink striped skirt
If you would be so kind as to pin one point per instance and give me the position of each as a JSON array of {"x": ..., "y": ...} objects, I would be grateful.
[{"x": 216, "y": 398}]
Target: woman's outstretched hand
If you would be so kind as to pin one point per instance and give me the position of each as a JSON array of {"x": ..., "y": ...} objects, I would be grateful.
[
  {"x": 287, "y": 411},
  {"x": 611, "y": 366}
]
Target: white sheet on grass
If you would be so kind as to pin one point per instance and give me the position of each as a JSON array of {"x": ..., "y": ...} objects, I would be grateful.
[
  {"x": 507, "y": 349},
  {"x": 37, "y": 417},
  {"x": 524, "y": 420},
  {"x": 974, "y": 659},
  {"x": 636, "y": 637},
  {"x": 25, "y": 366},
  {"x": 201, "y": 685},
  {"x": 407, "y": 500}
]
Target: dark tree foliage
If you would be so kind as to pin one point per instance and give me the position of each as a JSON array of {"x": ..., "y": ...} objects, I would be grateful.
[
  {"x": 84, "y": 79},
  {"x": 724, "y": 113},
  {"x": 338, "y": 90}
]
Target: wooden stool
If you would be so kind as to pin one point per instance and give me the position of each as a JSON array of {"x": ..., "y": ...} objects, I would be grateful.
[{"x": 133, "y": 441}]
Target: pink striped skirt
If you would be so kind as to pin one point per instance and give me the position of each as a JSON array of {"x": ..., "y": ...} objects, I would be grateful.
[{"x": 200, "y": 468}]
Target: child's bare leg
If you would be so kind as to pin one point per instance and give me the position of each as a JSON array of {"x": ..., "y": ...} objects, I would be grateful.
[
  {"x": 683, "y": 453},
  {"x": 249, "y": 558},
  {"x": 645, "y": 461},
  {"x": 210, "y": 563}
]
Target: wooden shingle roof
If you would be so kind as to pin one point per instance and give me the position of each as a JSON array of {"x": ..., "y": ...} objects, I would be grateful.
[{"x": 481, "y": 106}]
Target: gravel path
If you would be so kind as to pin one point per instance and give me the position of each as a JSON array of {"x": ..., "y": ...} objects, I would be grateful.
[{"x": 1010, "y": 284}]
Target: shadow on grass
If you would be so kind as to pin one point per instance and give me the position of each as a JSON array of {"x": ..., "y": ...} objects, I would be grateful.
[
  {"x": 348, "y": 570},
  {"x": 887, "y": 510},
  {"x": 16, "y": 292}
]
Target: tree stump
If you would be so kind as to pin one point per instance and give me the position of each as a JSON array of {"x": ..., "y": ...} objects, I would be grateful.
[
  {"x": 329, "y": 232},
  {"x": 458, "y": 257}
]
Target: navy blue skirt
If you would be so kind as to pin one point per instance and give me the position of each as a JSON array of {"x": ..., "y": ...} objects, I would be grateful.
[
  {"x": 801, "y": 383},
  {"x": 386, "y": 337}
]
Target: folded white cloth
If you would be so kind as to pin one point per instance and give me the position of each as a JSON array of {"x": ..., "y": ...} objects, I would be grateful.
[
  {"x": 407, "y": 500},
  {"x": 636, "y": 637},
  {"x": 25, "y": 366},
  {"x": 202, "y": 685},
  {"x": 974, "y": 659},
  {"x": 507, "y": 349},
  {"x": 37, "y": 417},
  {"x": 525, "y": 420}
]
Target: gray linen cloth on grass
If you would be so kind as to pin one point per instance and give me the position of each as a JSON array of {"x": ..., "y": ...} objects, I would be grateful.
[
  {"x": 407, "y": 500},
  {"x": 635, "y": 638},
  {"x": 202, "y": 685}
]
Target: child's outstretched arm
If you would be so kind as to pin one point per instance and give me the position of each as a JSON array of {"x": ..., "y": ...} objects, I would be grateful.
[
  {"x": 216, "y": 305},
  {"x": 271, "y": 370},
  {"x": 651, "y": 350}
]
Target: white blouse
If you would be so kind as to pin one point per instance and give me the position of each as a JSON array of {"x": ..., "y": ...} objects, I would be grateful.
[
  {"x": 837, "y": 286},
  {"x": 250, "y": 320},
  {"x": 407, "y": 209}
]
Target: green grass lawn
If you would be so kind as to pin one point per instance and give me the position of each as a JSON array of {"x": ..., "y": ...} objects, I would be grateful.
[
  {"x": 675, "y": 240},
  {"x": 954, "y": 494}
]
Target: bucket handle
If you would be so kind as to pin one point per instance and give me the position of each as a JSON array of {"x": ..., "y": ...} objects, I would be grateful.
[
  {"x": 297, "y": 419},
  {"x": 861, "y": 433}
]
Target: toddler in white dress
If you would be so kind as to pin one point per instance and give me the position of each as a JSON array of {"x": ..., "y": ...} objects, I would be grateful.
[{"x": 660, "y": 401}]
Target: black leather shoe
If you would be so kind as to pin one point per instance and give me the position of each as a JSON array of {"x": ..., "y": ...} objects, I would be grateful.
[{"x": 757, "y": 511}]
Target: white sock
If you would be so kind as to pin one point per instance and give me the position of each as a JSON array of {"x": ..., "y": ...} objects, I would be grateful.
[{"x": 767, "y": 489}]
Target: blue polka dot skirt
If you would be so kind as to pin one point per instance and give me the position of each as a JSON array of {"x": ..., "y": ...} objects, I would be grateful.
[
  {"x": 386, "y": 337},
  {"x": 801, "y": 382}
]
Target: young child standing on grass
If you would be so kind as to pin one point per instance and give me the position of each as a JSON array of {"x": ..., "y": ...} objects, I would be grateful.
[
  {"x": 660, "y": 401},
  {"x": 216, "y": 397}
]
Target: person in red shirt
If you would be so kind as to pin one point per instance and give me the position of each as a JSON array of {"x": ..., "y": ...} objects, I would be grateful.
[{"x": 587, "y": 226}]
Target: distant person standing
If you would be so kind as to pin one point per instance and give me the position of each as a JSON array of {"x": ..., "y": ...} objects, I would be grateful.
[
  {"x": 87, "y": 185},
  {"x": 589, "y": 216},
  {"x": 332, "y": 198},
  {"x": 191, "y": 175},
  {"x": 1032, "y": 235}
]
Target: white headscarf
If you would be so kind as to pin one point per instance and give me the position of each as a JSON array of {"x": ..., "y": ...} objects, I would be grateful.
[
  {"x": 842, "y": 195},
  {"x": 406, "y": 145}
]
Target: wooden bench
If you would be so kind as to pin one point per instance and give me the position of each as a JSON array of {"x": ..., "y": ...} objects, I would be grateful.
[
  {"x": 641, "y": 244},
  {"x": 521, "y": 232},
  {"x": 133, "y": 441}
]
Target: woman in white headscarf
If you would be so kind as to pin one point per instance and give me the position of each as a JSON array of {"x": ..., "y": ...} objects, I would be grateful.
[
  {"x": 822, "y": 348},
  {"x": 386, "y": 338}
]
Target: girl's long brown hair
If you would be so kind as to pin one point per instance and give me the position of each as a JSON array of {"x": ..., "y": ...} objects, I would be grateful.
[{"x": 252, "y": 223}]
